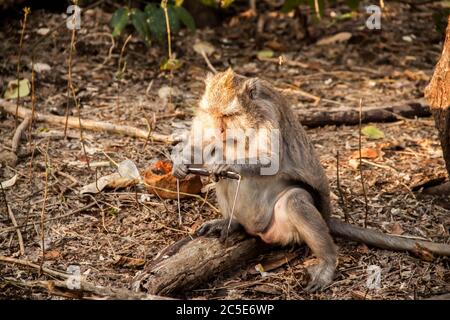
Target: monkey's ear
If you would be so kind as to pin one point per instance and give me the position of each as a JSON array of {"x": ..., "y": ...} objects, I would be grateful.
[
  {"x": 251, "y": 88},
  {"x": 209, "y": 77}
]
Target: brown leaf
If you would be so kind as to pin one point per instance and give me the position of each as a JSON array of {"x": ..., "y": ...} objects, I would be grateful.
[
  {"x": 127, "y": 262},
  {"x": 362, "y": 248},
  {"x": 267, "y": 289},
  {"x": 416, "y": 75},
  {"x": 397, "y": 229},
  {"x": 52, "y": 254},
  {"x": 366, "y": 153},
  {"x": 158, "y": 177},
  {"x": 359, "y": 295}
]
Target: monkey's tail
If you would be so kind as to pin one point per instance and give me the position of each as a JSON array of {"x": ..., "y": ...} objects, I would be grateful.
[{"x": 385, "y": 241}]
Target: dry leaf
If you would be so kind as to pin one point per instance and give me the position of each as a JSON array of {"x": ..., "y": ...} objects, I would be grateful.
[
  {"x": 362, "y": 248},
  {"x": 40, "y": 67},
  {"x": 128, "y": 175},
  {"x": 354, "y": 163},
  {"x": 416, "y": 75},
  {"x": 359, "y": 295},
  {"x": 203, "y": 46},
  {"x": 397, "y": 229},
  {"x": 338, "y": 37},
  {"x": 9, "y": 183},
  {"x": 267, "y": 289},
  {"x": 159, "y": 176},
  {"x": 52, "y": 255},
  {"x": 366, "y": 153},
  {"x": 127, "y": 262}
]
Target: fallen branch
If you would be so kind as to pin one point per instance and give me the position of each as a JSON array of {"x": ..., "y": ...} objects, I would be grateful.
[
  {"x": 189, "y": 263},
  {"x": 317, "y": 117},
  {"x": 87, "y": 124},
  {"x": 86, "y": 289},
  {"x": 18, "y": 134},
  {"x": 19, "y": 233}
]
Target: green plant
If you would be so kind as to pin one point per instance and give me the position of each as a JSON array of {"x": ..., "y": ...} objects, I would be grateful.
[{"x": 150, "y": 23}]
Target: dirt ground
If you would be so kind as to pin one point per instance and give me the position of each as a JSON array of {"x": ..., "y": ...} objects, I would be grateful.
[{"x": 379, "y": 67}]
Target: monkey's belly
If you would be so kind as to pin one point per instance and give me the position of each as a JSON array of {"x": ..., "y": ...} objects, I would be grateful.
[
  {"x": 257, "y": 211},
  {"x": 281, "y": 230}
]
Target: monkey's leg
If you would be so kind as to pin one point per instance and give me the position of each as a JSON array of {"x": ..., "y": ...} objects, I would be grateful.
[
  {"x": 310, "y": 227},
  {"x": 219, "y": 227}
]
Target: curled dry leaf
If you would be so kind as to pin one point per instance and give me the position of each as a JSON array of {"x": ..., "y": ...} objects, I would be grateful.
[
  {"x": 159, "y": 177},
  {"x": 9, "y": 183},
  {"x": 128, "y": 175}
]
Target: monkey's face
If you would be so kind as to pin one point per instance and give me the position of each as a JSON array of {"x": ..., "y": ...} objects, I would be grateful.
[{"x": 228, "y": 94}]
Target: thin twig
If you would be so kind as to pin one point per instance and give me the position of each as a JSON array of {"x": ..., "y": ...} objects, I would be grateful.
[
  {"x": 360, "y": 165},
  {"x": 14, "y": 221},
  {"x": 341, "y": 194},
  {"x": 74, "y": 96},
  {"x": 47, "y": 168},
  {"x": 208, "y": 63},
  {"x": 33, "y": 102},
  {"x": 26, "y": 12}
]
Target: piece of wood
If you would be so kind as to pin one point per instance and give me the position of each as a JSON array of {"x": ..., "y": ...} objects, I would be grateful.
[
  {"x": 87, "y": 124},
  {"x": 318, "y": 117},
  {"x": 190, "y": 263},
  {"x": 18, "y": 134},
  {"x": 437, "y": 94}
]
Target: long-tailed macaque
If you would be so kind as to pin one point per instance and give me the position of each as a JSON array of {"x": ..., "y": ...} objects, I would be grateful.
[{"x": 287, "y": 203}]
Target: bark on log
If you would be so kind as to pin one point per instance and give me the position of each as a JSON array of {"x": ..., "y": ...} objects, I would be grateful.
[
  {"x": 437, "y": 94},
  {"x": 189, "y": 263},
  {"x": 350, "y": 116}
]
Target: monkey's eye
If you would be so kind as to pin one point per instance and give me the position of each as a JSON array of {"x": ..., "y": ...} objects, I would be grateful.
[{"x": 252, "y": 93}]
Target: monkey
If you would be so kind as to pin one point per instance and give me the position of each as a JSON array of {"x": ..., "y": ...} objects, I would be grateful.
[{"x": 291, "y": 205}]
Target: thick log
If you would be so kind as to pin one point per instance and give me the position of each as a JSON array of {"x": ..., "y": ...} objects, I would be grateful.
[
  {"x": 318, "y": 117},
  {"x": 190, "y": 262}
]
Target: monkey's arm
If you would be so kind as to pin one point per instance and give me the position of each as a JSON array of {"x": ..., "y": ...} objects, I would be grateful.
[
  {"x": 384, "y": 241},
  {"x": 189, "y": 153}
]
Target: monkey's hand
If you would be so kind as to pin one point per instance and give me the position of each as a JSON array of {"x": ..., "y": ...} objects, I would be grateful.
[
  {"x": 219, "y": 227},
  {"x": 180, "y": 170},
  {"x": 219, "y": 170}
]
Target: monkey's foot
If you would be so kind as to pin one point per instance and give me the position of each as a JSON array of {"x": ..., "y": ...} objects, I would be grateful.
[
  {"x": 321, "y": 276},
  {"x": 219, "y": 227}
]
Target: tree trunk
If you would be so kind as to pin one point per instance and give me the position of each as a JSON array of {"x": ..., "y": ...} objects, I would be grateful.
[{"x": 438, "y": 95}]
